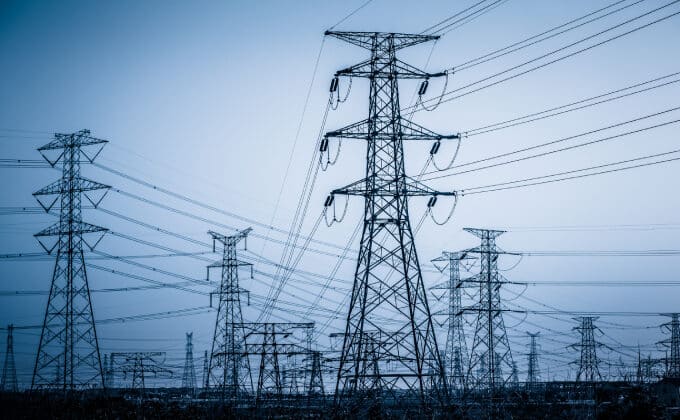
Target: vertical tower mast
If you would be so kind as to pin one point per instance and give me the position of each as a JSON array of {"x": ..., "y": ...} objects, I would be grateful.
[
  {"x": 456, "y": 353},
  {"x": 673, "y": 343},
  {"x": 68, "y": 342},
  {"x": 189, "y": 374},
  {"x": 9, "y": 369},
  {"x": 228, "y": 365},
  {"x": 388, "y": 281},
  {"x": 588, "y": 365},
  {"x": 491, "y": 354}
]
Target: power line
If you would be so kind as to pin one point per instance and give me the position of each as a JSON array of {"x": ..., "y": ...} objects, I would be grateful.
[
  {"x": 448, "y": 95},
  {"x": 525, "y": 119}
]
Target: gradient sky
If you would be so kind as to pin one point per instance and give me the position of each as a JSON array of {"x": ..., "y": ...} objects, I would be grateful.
[{"x": 205, "y": 98}]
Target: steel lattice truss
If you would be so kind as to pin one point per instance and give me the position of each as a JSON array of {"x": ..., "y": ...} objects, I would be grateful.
[
  {"x": 189, "y": 373},
  {"x": 228, "y": 365},
  {"x": 588, "y": 364},
  {"x": 491, "y": 363},
  {"x": 533, "y": 371},
  {"x": 9, "y": 368},
  {"x": 673, "y": 344},
  {"x": 139, "y": 365},
  {"x": 68, "y": 354},
  {"x": 388, "y": 277},
  {"x": 455, "y": 353}
]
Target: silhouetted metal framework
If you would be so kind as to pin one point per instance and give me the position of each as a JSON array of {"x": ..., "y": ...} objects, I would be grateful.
[
  {"x": 9, "y": 368},
  {"x": 388, "y": 280},
  {"x": 491, "y": 361},
  {"x": 228, "y": 365},
  {"x": 588, "y": 364},
  {"x": 189, "y": 373},
  {"x": 139, "y": 365},
  {"x": 315, "y": 386},
  {"x": 270, "y": 341},
  {"x": 456, "y": 352},
  {"x": 533, "y": 372},
  {"x": 673, "y": 345},
  {"x": 68, "y": 353}
]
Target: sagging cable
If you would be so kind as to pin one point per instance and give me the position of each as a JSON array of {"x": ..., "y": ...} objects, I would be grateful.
[
  {"x": 435, "y": 149},
  {"x": 423, "y": 89},
  {"x": 431, "y": 203}
]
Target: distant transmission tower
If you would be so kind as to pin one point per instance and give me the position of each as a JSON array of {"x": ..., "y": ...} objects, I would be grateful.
[
  {"x": 673, "y": 343},
  {"x": 9, "y": 369},
  {"x": 588, "y": 364},
  {"x": 456, "y": 353},
  {"x": 491, "y": 356},
  {"x": 388, "y": 281},
  {"x": 315, "y": 386},
  {"x": 68, "y": 342},
  {"x": 139, "y": 365},
  {"x": 228, "y": 365},
  {"x": 189, "y": 374},
  {"x": 533, "y": 372}
]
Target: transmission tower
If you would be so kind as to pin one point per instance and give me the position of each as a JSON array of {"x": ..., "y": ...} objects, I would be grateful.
[
  {"x": 315, "y": 386},
  {"x": 205, "y": 369},
  {"x": 189, "y": 374},
  {"x": 139, "y": 365},
  {"x": 68, "y": 342},
  {"x": 455, "y": 353},
  {"x": 387, "y": 246},
  {"x": 269, "y": 341},
  {"x": 588, "y": 364},
  {"x": 9, "y": 369},
  {"x": 672, "y": 343},
  {"x": 533, "y": 372},
  {"x": 491, "y": 356},
  {"x": 228, "y": 365}
]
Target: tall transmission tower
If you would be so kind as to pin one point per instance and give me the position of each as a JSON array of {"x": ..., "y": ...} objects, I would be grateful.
[
  {"x": 228, "y": 365},
  {"x": 588, "y": 364},
  {"x": 189, "y": 374},
  {"x": 388, "y": 280},
  {"x": 68, "y": 342},
  {"x": 533, "y": 372},
  {"x": 315, "y": 386},
  {"x": 673, "y": 344},
  {"x": 9, "y": 369},
  {"x": 491, "y": 356},
  {"x": 456, "y": 352}
]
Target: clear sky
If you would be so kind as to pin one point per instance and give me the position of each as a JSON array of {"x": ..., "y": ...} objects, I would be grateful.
[{"x": 206, "y": 99}]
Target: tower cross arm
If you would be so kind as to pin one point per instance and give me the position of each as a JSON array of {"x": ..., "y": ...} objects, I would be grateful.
[
  {"x": 369, "y": 40},
  {"x": 378, "y": 129},
  {"x": 375, "y": 186},
  {"x": 400, "y": 70}
]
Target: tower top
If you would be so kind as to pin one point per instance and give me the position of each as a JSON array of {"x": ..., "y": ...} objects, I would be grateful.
[{"x": 369, "y": 40}]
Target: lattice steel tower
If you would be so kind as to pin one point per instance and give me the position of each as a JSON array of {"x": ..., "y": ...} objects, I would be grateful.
[
  {"x": 228, "y": 365},
  {"x": 68, "y": 354},
  {"x": 456, "y": 352},
  {"x": 673, "y": 343},
  {"x": 533, "y": 372},
  {"x": 588, "y": 364},
  {"x": 9, "y": 369},
  {"x": 491, "y": 356},
  {"x": 388, "y": 280},
  {"x": 189, "y": 373}
]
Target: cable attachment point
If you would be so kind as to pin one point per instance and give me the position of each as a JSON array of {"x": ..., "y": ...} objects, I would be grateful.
[{"x": 334, "y": 84}]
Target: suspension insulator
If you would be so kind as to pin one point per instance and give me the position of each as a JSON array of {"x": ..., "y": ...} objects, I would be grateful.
[
  {"x": 423, "y": 87},
  {"x": 334, "y": 84},
  {"x": 435, "y": 147},
  {"x": 432, "y": 201},
  {"x": 329, "y": 200},
  {"x": 324, "y": 145}
]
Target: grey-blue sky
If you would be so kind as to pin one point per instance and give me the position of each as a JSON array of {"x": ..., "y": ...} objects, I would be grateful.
[{"x": 205, "y": 97}]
